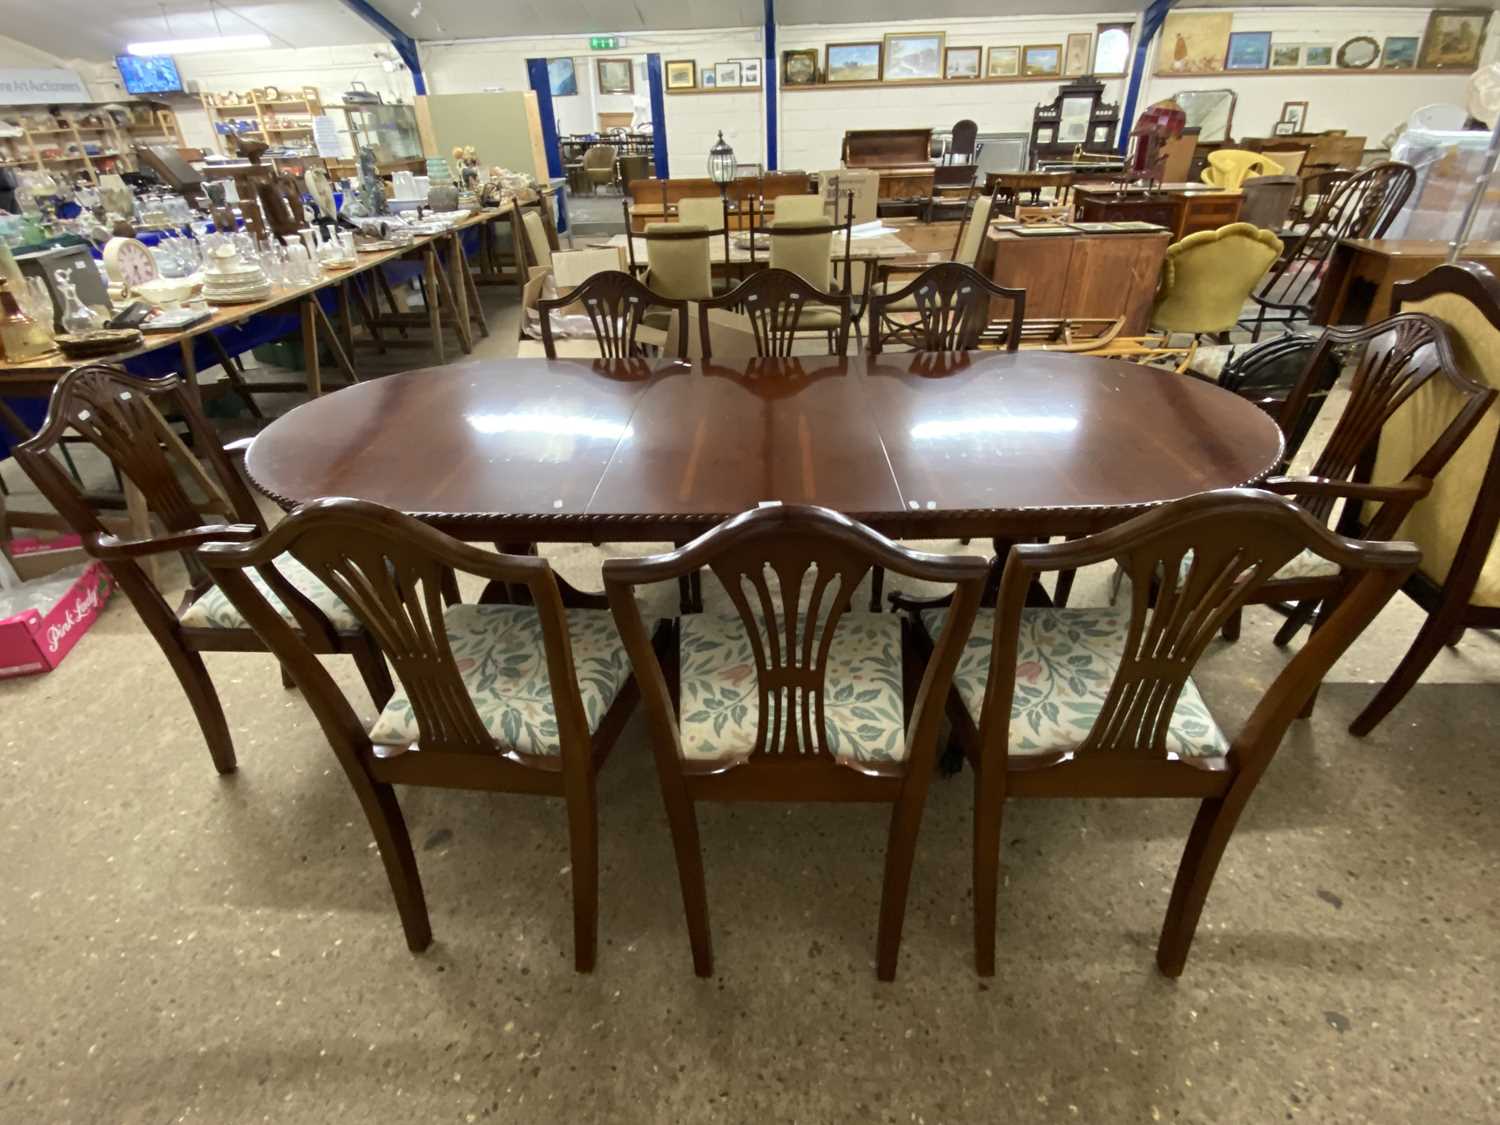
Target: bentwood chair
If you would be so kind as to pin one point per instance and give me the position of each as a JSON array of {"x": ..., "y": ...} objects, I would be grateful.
[
  {"x": 506, "y": 698},
  {"x": 1101, "y": 702},
  {"x": 789, "y": 697},
  {"x": 1458, "y": 582},
  {"x": 616, "y": 305},
  {"x": 945, "y": 309},
  {"x": 184, "y": 490},
  {"x": 1362, "y": 206},
  {"x": 775, "y": 302},
  {"x": 1395, "y": 361}
]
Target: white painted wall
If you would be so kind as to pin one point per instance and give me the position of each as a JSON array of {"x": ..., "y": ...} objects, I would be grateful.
[
  {"x": 1367, "y": 103},
  {"x": 813, "y": 120},
  {"x": 692, "y": 121}
]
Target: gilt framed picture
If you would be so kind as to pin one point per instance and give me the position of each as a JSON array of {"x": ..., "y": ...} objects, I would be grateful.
[
  {"x": 1003, "y": 62},
  {"x": 681, "y": 74},
  {"x": 1454, "y": 37},
  {"x": 1042, "y": 61},
  {"x": 800, "y": 67},
  {"x": 914, "y": 56},
  {"x": 961, "y": 63},
  {"x": 852, "y": 62},
  {"x": 616, "y": 76},
  {"x": 1076, "y": 59}
]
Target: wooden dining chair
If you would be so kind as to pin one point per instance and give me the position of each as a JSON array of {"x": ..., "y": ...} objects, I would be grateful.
[
  {"x": 946, "y": 308},
  {"x": 790, "y": 697},
  {"x": 186, "y": 482},
  {"x": 616, "y": 305},
  {"x": 505, "y": 698},
  {"x": 1101, "y": 702},
  {"x": 776, "y": 304},
  {"x": 1394, "y": 361}
]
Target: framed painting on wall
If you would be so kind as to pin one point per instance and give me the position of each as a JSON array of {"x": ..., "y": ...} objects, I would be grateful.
[
  {"x": 852, "y": 62},
  {"x": 562, "y": 79},
  {"x": 1454, "y": 37},
  {"x": 616, "y": 76},
  {"x": 682, "y": 74},
  {"x": 1003, "y": 62},
  {"x": 961, "y": 62},
  {"x": 1194, "y": 42},
  {"x": 1076, "y": 60},
  {"x": 708, "y": 79},
  {"x": 1286, "y": 56},
  {"x": 800, "y": 67},
  {"x": 1112, "y": 49},
  {"x": 726, "y": 74},
  {"x": 1042, "y": 61},
  {"x": 749, "y": 71},
  {"x": 914, "y": 56},
  {"x": 1399, "y": 52},
  {"x": 1295, "y": 115},
  {"x": 1248, "y": 50},
  {"x": 1317, "y": 57}
]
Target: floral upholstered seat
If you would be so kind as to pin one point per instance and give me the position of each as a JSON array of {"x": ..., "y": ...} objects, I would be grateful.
[
  {"x": 214, "y": 610},
  {"x": 1066, "y": 661},
  {"x": 498, "y": 649},
  {"x": 862, "y": 707}
]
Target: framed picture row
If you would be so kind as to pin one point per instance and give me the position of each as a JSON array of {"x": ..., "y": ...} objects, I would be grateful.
[{"x": 1205, "y": 42}]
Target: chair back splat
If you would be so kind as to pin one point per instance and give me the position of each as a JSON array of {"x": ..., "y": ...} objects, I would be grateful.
[{"x": 792, "y": 697}]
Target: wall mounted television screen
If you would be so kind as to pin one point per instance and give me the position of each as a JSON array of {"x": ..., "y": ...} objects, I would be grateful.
[{"x": 149, "y": 74}]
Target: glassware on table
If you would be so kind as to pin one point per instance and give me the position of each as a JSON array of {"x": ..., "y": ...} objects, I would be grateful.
[{"x": 76, "y": 316}]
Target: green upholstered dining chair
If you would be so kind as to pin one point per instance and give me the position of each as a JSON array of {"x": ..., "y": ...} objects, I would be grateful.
[
  {"x": 702, "y": 211},
  {"x": 1207, "y": 278},
  {"x": 189, "y": 489},
  {"x": 790, "y": 696},
  {"x": 677, "y": 260},
  {"x": 805, "y": 248},
  {"x": 799, "y": 209},
  {"x": 506, "y": 698},
  {"x": 1100, "y": 702}
]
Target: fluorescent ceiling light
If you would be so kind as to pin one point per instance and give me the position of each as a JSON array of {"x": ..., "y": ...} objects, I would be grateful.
[{"x": 194, "y": 46}]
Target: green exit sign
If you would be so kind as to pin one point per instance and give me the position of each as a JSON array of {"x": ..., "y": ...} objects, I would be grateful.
[{"x": 604, "y": 42}]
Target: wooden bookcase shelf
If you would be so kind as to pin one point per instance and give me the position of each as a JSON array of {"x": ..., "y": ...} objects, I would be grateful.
[
  {"x": 266, "y": 113},
  {"x": 46, "y": 138}
]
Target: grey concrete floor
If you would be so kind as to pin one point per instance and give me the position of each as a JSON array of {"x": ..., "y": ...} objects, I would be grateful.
[{"x": 183, "y": 947}]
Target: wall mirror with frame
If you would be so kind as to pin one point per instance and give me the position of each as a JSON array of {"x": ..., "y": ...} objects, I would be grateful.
[{"x": 1211, "y": 112}]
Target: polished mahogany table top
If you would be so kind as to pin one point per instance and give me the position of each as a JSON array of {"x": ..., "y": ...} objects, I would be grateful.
[{"x": 978, "y": 443}]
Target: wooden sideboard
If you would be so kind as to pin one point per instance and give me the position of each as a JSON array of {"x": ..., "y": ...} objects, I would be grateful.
[
  {"x": 1356, "y": 286},
  {"x": 1081, "y": 275},
  {"x": 1180, "y": 210}
]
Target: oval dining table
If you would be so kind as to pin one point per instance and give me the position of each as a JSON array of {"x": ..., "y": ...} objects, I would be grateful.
[{"x": 917, "y": 445}]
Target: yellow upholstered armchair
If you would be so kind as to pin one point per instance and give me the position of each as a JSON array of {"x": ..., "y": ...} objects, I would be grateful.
[
  {"x": 1208, "y": 277},
  {"x": 1458, "y": 581},
  {"x": 1230, "y": 167},
  {"x": 599, "y": 165}
]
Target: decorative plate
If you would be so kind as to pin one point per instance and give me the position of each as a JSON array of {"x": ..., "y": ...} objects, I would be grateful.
[
  {"x": 129, "y": 262},
  {"x": 1358, "y": 53},
  {"x": 101, "y": 341}
]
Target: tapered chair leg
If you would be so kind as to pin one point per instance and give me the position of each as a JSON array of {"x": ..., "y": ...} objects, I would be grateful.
[
  {"x": 900, "y": 850},
  {"x": 1195, "y": 874},
  {"x": 877, "y": 585},
  {"x": 683, "y": 822},
  {"x": 389, "y": 828},
  {"x": 1231, "y": 630},
  {"x": 1424, "y": 649},
  {"x": 288, "y": 681},
  {"x": 583, "y": 853},
  {"x": 1299, "y": 617},
  {"x": 199, "y": 686},
  {"x": 989, "y": 807}
]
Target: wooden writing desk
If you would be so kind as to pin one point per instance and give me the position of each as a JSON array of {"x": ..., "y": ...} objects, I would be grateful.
[
  {"x": 1356, "y": 286},
  {"x": 1182, "y": 210}
]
